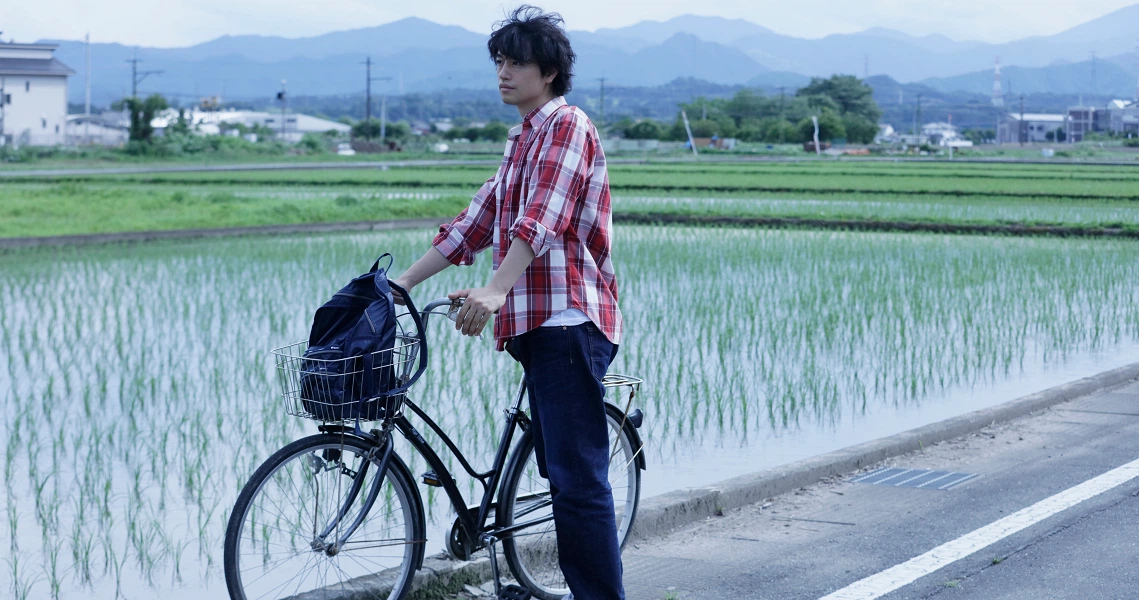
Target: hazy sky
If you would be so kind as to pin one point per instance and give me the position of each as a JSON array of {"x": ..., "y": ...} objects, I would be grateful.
[{"x": 185, "y": 22}]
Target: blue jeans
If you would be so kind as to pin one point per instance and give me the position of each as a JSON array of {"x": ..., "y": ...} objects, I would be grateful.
[{"x": 564, "y": 367}]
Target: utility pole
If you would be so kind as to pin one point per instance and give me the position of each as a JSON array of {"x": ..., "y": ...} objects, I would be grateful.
[
  {"x": 137, "y": 76},
  {"x": 781, "y": 92},
  {"x": 602, "y": 80},
  {"x": 688, "y": 130},
  {"x": 283, "y": 96},
  {"x": 368, "y": 101},
  {"x": 1020, "y": 128},
  {"x": 87, "y": 95}
]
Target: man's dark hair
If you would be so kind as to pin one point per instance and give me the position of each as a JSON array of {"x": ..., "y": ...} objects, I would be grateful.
[{"x": 532, "y": 36}]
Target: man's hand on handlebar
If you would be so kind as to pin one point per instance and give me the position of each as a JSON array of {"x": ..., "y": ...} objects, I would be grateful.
[{"x": 478, "y": 306}]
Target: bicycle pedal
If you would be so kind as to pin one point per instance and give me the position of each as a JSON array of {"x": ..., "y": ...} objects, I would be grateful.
[
  {"x": 431, "y": 479},
  {"x": 514, "y": 592}
]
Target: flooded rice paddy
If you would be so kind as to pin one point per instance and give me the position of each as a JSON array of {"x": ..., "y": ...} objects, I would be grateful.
[{"x": 139, "y": 391}]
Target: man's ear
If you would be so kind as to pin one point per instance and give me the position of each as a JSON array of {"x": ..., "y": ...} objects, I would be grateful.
[{"x": 549, "y": 78}]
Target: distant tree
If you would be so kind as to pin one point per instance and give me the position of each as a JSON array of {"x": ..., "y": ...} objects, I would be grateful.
[
  {"x": 644, "y": 130},
  {"x": 747, "y": 104},
  {"x": 495, "y": 131},
  {"x": 858, "y": 129},
  {"x": 851, "y": 95},
  {"x": 181, "y": 126},
  {"x": 621, "y": 125},
  {"x": 313, "y": 143},
  {"x": 705, "y": 128},
  {"x": 367, "y": 130},
  {"x": 141, "y": 114},
  {"x": 774, "y": 130}
]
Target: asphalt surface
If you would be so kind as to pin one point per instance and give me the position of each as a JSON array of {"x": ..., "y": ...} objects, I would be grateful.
[{"x": 823, "y": 538}]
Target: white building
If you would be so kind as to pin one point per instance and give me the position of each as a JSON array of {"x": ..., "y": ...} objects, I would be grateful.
[
  {"x": 96, "y": 129},
  {"x": 945, "y": 135},
  {"x": 33, "y": 89},
  {"x": 1032, "y": 128},
  {"x": 296, "y": 124}
]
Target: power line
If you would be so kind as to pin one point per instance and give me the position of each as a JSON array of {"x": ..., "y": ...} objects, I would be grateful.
[{"x": 138, "y": 76}]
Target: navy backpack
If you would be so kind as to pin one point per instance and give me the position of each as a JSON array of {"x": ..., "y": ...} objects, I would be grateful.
[{"x": 349, "y": 370}]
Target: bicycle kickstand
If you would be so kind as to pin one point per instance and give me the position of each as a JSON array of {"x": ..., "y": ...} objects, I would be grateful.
[{"x": 509, "y": 592}]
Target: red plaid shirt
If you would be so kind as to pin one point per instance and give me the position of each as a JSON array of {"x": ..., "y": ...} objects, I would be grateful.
[{"x": 551, "y": 190}]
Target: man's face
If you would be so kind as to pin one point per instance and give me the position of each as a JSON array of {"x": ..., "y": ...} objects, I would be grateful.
[{"x": 522, "y": 84}]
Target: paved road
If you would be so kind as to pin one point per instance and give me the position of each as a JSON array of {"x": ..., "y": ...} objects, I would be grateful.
[{"x": 820, "y": 540}]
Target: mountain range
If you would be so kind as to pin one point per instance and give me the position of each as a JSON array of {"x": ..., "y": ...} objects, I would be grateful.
[{"x": 422, "y": 56}]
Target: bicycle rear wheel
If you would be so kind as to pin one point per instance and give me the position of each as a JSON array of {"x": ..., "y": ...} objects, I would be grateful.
[
  {"x": 315, "y": 520},
  {"x": 524, "y": 496}
]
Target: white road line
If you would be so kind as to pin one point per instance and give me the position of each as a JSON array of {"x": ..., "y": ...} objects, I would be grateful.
[{"x": 895, "y": 577}]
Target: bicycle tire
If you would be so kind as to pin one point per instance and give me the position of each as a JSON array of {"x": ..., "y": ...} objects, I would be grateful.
[
  {"x": 532, "y": 553},
  {"x": 290, "y": 547}
]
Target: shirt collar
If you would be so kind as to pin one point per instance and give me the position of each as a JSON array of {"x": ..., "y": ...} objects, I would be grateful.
[{"x": 538, "y": 116}]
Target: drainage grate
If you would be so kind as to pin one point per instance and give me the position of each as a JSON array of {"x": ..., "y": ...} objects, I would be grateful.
[{"x": 915, "y": 478}]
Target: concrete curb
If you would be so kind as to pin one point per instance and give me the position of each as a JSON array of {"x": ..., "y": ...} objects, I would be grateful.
[
  {"x": 185, "y": 234},
  {"x": 661, "y": 514}
]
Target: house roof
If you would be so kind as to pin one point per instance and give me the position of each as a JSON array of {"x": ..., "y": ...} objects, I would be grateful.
[
  {"x": 16, "y": 46},
  {"x": 1038, "y": 117},
  {"x": 32, "y": 66}
]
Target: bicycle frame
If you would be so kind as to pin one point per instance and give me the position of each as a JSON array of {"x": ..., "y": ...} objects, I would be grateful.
[{"x": 473, "y": 524}]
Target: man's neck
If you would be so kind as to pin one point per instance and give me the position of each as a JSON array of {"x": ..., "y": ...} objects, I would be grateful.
[{"x": 525, "y": 110}]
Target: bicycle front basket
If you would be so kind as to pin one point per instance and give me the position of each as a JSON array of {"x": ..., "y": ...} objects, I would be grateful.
[{"x": 325, "y": 386}]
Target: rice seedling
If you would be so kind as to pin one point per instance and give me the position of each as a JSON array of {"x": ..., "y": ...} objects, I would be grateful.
[{"x": 757, "y": 347}]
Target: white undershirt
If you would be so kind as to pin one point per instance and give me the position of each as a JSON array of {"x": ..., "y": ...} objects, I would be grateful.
[{"x": 566, "y": 318}]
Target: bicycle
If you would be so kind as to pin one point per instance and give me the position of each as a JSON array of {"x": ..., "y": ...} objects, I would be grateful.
[{"x": 338, "y": 514}]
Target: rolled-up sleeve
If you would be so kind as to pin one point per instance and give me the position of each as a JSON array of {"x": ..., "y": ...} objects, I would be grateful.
[
  {"x": 560, "y": 173},
  {"x": 472, "y": 231}
]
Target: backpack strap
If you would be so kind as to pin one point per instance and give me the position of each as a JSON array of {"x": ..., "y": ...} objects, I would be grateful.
[
  {"x": 369, "y": 358},
  {"x": 376, "y": 265}
]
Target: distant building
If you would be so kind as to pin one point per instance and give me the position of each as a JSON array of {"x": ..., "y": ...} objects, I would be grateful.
[
  {"x": 96, "y": 129},
  {"x": 33, "y": 95},
  {"x": 296, "y": 125},
  {"x": 945, "y": 135},
  {"x": 1033, "y": 128},
  {"x": 886, "y": 134},
  {"x": 1121, "y": 118},
  {"x": 1118, "y": 117},
  {"x": 1081, "y": 121}
]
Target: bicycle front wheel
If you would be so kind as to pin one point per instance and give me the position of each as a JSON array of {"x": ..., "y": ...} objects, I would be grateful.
[
  {"x": 524, "y": 497},
  {"x": 317, "y": 519}
]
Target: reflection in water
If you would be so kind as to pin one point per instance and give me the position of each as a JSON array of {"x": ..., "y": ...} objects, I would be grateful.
[{"x": 139, "y": 389}]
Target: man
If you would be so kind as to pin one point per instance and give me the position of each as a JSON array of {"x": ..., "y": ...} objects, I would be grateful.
[{"x": 546, "y": 215}]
